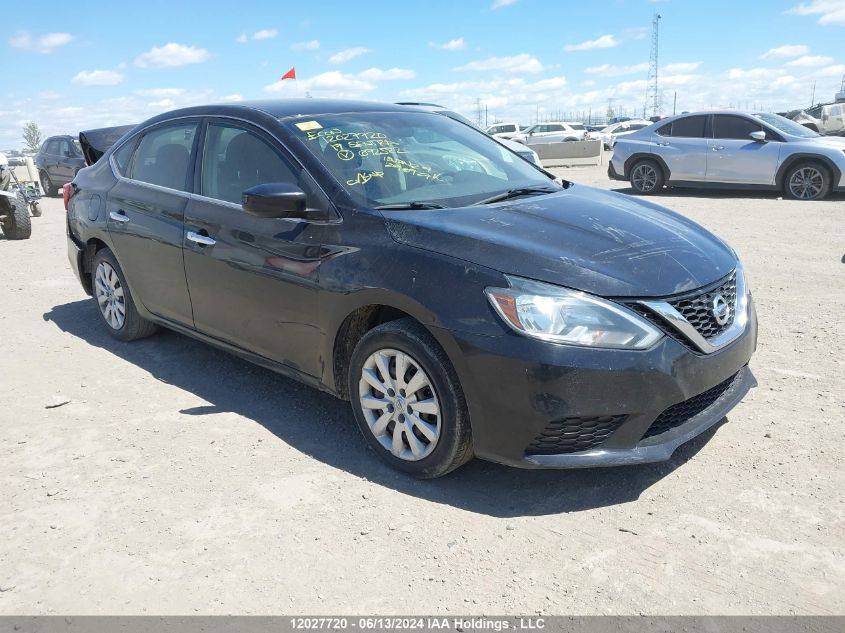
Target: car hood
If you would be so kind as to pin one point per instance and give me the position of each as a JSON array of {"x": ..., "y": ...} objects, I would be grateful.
[{"x": 597, "y": 241}]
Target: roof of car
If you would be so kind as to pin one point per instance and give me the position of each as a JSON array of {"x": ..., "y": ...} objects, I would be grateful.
[{"x": 282, "y": 108}]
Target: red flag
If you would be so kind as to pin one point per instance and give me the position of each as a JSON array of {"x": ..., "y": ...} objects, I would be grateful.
[{"x": 291, "y": 74}]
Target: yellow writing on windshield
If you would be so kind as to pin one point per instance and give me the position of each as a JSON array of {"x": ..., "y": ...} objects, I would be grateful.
[
  {"x": 411, "y": 168},
  {"x": 362, "y": 178}
]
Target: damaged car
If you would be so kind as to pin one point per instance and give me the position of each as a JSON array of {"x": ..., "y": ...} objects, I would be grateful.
[{"x": 464, "y": 301}]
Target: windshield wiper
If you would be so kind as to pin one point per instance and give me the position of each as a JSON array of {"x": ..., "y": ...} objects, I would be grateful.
[
  {"x": 410, "y": 205},
  {"x": 513, "y": 193}
]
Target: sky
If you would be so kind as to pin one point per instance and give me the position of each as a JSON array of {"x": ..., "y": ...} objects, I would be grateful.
[{"x": 117, "y": 63}]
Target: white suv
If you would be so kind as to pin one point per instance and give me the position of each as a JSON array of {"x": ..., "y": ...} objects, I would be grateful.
[
  {"x": 731, "y": 150},
  {"x": 552, "y": 132},
  {"x": 504, "y": 130}
]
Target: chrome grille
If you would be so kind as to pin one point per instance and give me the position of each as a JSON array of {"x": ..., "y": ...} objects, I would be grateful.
[{"x": 698, "y": 309}]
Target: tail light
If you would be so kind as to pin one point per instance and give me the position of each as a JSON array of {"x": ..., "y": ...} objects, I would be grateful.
[{"x": 67, "y": 194}]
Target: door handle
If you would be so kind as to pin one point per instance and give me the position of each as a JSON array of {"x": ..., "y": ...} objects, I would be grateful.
[
  {"x": 119, "y": 217},
  {"x": 718, "y": 148},
  {"x": 202, "y": 240},
  {"x": 663, "y": 143}
]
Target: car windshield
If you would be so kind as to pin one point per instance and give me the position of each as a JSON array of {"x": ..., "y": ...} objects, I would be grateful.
[
  {"x": 576, "y": 126},
  {"x": 393, "y": 158},
  {"x": 785, "y": 125},
  {"x": 77, "y": 147}
]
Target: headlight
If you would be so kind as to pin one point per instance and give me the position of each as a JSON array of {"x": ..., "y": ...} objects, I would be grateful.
[{"x": 559, "y": 315}]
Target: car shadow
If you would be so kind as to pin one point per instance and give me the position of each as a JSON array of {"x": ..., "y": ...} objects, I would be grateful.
[
  {"x": 322, "y": 426},
  {"x": 741, "y": 194}
]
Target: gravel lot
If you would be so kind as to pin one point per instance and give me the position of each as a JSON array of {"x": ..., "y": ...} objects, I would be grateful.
[{"x": 175, "y": 479}]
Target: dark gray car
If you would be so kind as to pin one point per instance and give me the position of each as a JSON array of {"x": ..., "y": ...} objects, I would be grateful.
[{"x": 58, "y": 161}]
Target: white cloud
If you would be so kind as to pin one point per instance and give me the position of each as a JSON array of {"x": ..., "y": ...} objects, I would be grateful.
[
  {"x": 523, "y": 63},
  {"x": 310, "y": 45},
  {"x": 265, "y": 34},
  {"x": 498, "y": 4},
  {"x": 811, "y": 61},
  {"x": 786, "y": 51},
  {"x": 347, "y": 54},
  {"x": 607, "y": 70},
  {"x": 331, "y": 83},
  {"x": 161, "y": 93},
  {"x": 97, "y": 78},
  {"x": 456, "y": 44},
  {"x": 377, "y": 74},
  {"x": 680, "y": 68},
  {"x": 233, "y": 98},
  {"x": 830, "y": 12},
  {"x": 42, "y": 43},
  {"x": 603, "y": 41},
  {"x": 172, "y": 55},
  {"x": 243, "y": 38}
]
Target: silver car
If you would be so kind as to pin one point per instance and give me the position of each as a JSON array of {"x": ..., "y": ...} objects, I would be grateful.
[{"x": 731, "y": 150}]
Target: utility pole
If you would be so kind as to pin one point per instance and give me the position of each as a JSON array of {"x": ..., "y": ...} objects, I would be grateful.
[
  {"x": 652, "y": 92},
  {"x": 813, "y": 97},
  {"x": 478, "y": 111},
  {"x": 675, "y": 103}
]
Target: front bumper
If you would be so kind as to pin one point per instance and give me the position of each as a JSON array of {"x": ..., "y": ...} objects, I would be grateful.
[
  {"x": 612, "y": 173},
  {"x": 517, "y": 389}
]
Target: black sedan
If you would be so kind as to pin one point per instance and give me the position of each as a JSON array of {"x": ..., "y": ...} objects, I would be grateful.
[{"x": 464, "y": 301}]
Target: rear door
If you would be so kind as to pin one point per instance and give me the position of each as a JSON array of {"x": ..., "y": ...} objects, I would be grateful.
[
  {"x": 683, "y": 147},
  {"x": 735, "y": 157},
  {"x": 253, "y": 281},
  {"x": 146, "y": 212}
]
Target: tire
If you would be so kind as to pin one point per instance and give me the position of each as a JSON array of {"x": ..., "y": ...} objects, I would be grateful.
[
  {"x": 36, "y": 210},
  {"x": 16, "y": 224},
  {"x": 806, "y": 181},
  {"x": 646, "y": 177},
  {"x": 47, "y": 185},
  {"x": 444, "y": 441},
  {"x": 111, "y": 293}
]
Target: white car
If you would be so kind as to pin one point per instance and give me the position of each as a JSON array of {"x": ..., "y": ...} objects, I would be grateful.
[
  {"x": 825, "y": 118},
  {"x": 552, "y": 132},
  {"x": 614, "y": 130},
  {"x": 504, "y": 130}
]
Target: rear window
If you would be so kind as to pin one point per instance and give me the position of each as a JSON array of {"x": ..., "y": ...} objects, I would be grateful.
[
  {"x": 688, "y": 127},
  {"x": 163, "y": 156}
]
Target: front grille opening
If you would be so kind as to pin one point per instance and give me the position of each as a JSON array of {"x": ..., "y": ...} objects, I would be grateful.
[
  {"x": 678, "y": 414},
  {"x": 698, "y": 309},
  {"x": 572, "y": 435}
]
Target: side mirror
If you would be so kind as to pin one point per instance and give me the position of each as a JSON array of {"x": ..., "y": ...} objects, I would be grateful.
[
  {"x": 758, "y": 135},
  {"x": 275, "y": 200}
]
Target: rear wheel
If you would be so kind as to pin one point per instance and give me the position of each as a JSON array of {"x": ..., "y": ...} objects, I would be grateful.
[
  {"x": 36, "y": 210},
  {"x": 408, "y": 402},
  {"x": 16, "y": 223},
  {"x": 114, "y": 300},
  {"x": 807, "y": 181},
  {"x": 646, "y": 177},
  {"x": 47, "y": 185}
]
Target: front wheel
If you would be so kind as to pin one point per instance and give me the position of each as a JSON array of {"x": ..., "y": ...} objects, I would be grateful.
[
  {"x": 646, "y": 177},
  {"x": 807, "y": 181},
  {"x": 408, "y": 402},
  {"x": 16, "y": 223},
  {"x": 114, "y": 300},
  {"x": 36, "y": 210}
]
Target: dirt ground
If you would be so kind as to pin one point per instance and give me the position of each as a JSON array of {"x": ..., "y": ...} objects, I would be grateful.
[{"x": 164, "y": 476}]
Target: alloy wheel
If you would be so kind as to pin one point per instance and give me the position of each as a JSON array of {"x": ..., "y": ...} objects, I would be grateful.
[
  {"x": 644, "y": 177},
  {"x": 806, "y": 183},
  {"x": 110, "y": 297},
  {"x": 399, "y": 404}
]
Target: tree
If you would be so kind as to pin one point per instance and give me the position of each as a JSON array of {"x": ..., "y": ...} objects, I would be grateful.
[{"x": 32, "y": 136}]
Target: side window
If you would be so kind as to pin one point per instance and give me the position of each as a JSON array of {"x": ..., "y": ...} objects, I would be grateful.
[
  {"x": 235, "y": 159},
  {"x": 64, "y": 148},
  {"x": 509, "y": 128},
  {"x": 163, "y": 156},
  {"x": 556, "y": 128},
  {"x": 734, "y": 127},
  {"x": 122, "y": 156},
  {"x": 689, "y": 127},
  {"x": 637, "y": 126},
  {"x": 52, "y": 147},
  {"x": 666, "y": 130}
]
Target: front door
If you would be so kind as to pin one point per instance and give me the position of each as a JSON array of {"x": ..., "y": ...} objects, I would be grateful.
[
  {"x": 735, "y": 157},
  {"x": 145, "y": 214},
  {"x": 253, "y": 281}
]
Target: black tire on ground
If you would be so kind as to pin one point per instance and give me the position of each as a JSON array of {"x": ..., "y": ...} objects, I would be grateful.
[
  {"x": 16, "y": 224},
  {"x": 134, "y": 326},
  {"x": 49, "y": 189},
  {"x": 646, "y": 177},
  {"x": 807, "y": 181},
  {"x": 36, "y": 210},
  {"x": 453, "y": 447}
]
